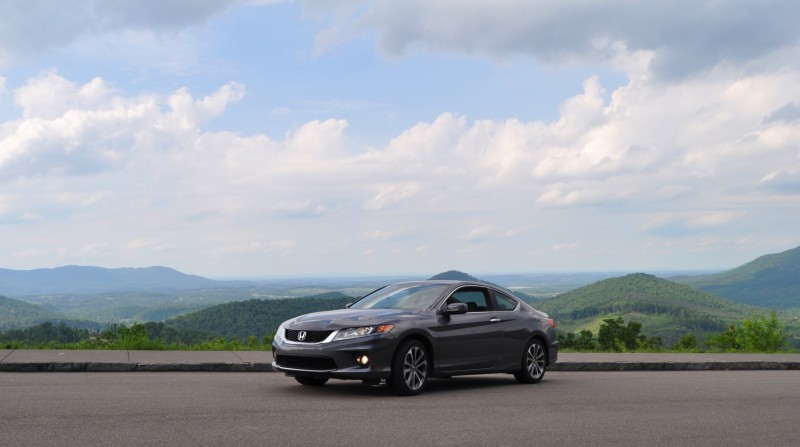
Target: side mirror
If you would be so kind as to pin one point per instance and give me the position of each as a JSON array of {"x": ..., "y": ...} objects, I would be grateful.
[{"x": 455, "y": 309}]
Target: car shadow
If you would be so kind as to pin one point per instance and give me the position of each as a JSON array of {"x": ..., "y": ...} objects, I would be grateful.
[{"x": 356, "y": 389}]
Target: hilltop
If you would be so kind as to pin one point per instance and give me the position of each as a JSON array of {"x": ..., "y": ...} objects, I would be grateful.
[
  {"x": 665, "y": 308},
  {"x": 455, "y": 275},
  {"x": 771, "y": 281},
  {"x": 238, "y": 320}
]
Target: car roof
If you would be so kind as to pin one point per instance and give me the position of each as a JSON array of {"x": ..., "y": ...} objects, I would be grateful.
[{"x": 451, "y": 282}]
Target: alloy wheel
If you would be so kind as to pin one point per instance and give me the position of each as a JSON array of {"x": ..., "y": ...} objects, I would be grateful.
[{"x": 415, "y": 368}]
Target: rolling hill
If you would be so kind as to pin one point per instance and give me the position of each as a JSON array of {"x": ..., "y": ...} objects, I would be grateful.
[
  {"x": 18, "y": 314},
  {"x": 238, "y": 320},
  {"x": 665, "y": 308},
  {"x": 771, "y": 281}
]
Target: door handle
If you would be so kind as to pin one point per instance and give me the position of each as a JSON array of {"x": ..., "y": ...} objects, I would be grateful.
[{"x": 494, "y": 320}]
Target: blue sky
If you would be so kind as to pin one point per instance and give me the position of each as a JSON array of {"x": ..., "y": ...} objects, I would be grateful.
[{"x": 256, "y": 138}]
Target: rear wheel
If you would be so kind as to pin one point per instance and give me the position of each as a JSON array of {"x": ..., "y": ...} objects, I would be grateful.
[
  {"x": 311, "y": 381},
  {"x": 534, "y": 362},
  {"x": 410, "y": 369}
]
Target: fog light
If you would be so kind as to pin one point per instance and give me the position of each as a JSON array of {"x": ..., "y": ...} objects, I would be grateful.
[{"x": 362, "y": 360}]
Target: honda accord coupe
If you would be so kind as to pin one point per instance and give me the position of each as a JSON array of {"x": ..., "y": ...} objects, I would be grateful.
[{"x": 407, "y": 333}]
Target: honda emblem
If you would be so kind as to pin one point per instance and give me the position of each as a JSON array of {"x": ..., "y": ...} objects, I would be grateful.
[{"x": 301, "y": 336}]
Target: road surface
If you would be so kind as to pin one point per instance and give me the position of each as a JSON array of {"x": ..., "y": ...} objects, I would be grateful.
[{"x": 708, "y": 408}]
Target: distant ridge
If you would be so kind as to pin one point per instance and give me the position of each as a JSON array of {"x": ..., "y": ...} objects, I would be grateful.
[
  {"x": 74, "y": 279},
  {"x": 771, "y": 281},
  {"x": 665, "y": 308}
]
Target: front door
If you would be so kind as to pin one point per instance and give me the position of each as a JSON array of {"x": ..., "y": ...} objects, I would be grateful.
[{"x": 471, "y": 341}]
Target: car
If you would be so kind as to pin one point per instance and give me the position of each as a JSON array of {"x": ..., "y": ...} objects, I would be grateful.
[{"x": 405, "y": 334}]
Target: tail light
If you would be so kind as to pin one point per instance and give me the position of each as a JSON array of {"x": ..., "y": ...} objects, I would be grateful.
[{"x": 551, "y": 322}]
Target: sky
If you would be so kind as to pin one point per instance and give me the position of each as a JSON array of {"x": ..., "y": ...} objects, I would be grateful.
[{"x": 231, "y": 138}]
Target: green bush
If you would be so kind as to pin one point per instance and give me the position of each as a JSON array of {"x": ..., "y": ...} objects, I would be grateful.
[{"x": 758, "y": 333}]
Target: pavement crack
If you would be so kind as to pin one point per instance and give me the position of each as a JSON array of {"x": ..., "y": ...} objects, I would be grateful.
[{"x": 6, "y": 356}]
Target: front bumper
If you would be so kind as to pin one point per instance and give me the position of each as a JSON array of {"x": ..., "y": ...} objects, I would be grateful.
[{"x": 336, "y": 359}]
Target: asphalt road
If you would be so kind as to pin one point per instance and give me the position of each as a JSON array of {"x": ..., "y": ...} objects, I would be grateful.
[{"x": 703, "y": 408}]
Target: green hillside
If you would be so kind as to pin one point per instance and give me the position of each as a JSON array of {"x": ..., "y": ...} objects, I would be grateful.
[
  {"x": 18, "y": 314},
  {"x": 239, "y": 320},
  {"x": 665, "y": 309},
  {"x": 771, "y": 281}
]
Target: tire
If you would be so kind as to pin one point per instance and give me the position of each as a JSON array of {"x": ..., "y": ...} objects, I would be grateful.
[
  {"x": 410, "y": 369},
  {"x": 311, "y": 381},
  {"x": 534, "y": 363}
]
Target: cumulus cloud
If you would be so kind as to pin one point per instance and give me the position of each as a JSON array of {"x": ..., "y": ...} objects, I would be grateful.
[
  {"x": 684, "y": 37},
  {"x": 149, "y": 171},
  {"x": 29, "y": 28},
  {"x": 69, "y": 129}
]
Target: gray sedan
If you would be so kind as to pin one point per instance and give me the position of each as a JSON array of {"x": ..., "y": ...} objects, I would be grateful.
[{"x": 407, "y": 333}]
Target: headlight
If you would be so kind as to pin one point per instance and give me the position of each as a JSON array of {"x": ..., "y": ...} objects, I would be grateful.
[
  {"x": 354, "y": 332},
  {"x": 280, "y": 333}
]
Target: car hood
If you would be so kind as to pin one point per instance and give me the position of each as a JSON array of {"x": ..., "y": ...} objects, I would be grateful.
[{"x": 345, "y": 318}]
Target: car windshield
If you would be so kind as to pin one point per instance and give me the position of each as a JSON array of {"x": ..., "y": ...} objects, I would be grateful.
[{"x": 402, "y": 296}]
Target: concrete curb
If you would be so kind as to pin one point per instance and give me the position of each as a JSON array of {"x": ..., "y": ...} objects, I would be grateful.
[
  {"x": 128, "y": 367},
  {"x": 261, "y": 361},
  {"x": 674, "y": 366}
]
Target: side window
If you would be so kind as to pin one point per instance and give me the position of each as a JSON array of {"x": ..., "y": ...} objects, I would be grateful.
[
  {"x": 504, "y": 302},
  {"x": 476, "y": 299}
]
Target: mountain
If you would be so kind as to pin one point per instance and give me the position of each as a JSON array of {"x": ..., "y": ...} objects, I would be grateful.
[
  {"x": 771, "y": 281},
  {"x": 82, "y": 279},
  {"x": 18, "y": 314},
  {"x": 239, "y": 320},
  {"x": 665, "y": 308},
  {"x": 455, "y": 275}
]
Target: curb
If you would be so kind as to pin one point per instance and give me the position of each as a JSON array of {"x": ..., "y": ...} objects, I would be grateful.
[
  {"x": 267, "y": 367},
  {"x": 674, "y": 366},
  {"x": 129, "y": 367}
]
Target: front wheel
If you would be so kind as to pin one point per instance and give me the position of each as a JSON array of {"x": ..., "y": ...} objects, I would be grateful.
[
  {"x": 409, "y": 369},
  {"x": 534, "y": 362},
  {"x": 311, "y": 381}
]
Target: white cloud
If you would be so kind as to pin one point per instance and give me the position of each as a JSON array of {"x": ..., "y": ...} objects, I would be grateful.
[
  {"x": 682, "y": 36},
  {"x": 677, "y": 224},
  {"x": 391, "y": 194},
  {"x": 161, "y": 185},
  {"x": 69, "y": 129},
  {"x": 480, "y": 234},
  {"x": 32, "y": 28}
]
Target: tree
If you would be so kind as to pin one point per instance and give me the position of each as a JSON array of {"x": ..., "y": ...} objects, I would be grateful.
[
  {"x": 687, "y": 343},
  {"x": 585, "y": 341},
  {"x": 615, "y": 335},
  {"x": 757, "y": 333}
]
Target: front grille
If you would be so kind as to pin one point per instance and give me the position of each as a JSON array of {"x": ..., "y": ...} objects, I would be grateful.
[
  {"x": 311, "y": 336},
  {"x": 307, "y": 363}
]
